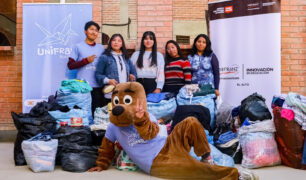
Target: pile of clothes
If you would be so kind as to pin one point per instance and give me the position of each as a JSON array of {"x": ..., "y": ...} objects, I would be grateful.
[
  {"x": 289, "y": 119},
  {"x": 244, "y": 134}
]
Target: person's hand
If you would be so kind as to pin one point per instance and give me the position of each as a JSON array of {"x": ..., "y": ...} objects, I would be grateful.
[
  {"x": 97, "y": 168},
  {"x": 112, "y": 82},
  {"x": 139, "y": 109},
  {"x": 90, "y": 59},
  {"x": 217, "y": 92},
  {"x": 132, "y": 77},
  {"x": 157, "y": 90}
]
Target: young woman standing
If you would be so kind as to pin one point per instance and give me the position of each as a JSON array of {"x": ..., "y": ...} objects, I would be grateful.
[
  {"x": 149, "y": 64},
  {"x": 114, "y": 65},
  {"x": 177, "y": 69},
  {"x": 204, "y": 63}
]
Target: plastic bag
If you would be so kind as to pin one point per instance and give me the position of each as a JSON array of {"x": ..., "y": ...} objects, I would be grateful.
[
  {"x": 254, "y": 108},
  {"x": 258, "y": 145},
  {"x": 97, "y": 137},
  {"x": 71, "y": 135},
  {"x": 233, "y": 150},
  {"x": 290, "y": 139},
  {"x": 82, "y": 100},
  {"x": 77, "y": 158},
  {"x": 218, "y": 157},
  {"x": 28, "y": 127},
  {"x": 218, "y": 102},
  {"x": 208, "y": 101},
  {"x": 101, "y": 117},
  {"x": 125, "y": 163},
  {"x": 40, "y": 152},
  {"x": 66, "y": 116},
  {"x": 163, "y": 108}
]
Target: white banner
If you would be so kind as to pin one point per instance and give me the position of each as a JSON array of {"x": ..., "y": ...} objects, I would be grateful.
[
  {"x": 246, "y": 39},
  {"x": 49, "y": 32}
]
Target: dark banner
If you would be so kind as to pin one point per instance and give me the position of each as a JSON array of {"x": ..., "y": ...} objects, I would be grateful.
[{"x": 238, "y": 8}]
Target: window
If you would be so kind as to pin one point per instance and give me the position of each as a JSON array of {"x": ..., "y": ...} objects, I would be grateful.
[{"x": 8, "y": 23}]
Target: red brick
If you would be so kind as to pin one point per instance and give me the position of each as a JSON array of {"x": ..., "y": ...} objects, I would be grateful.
[
  {"x": 290, "y": 83},
  {"x": 298, "y": 56},
  {"x": 297, "y": 67},
  {"x": 290, "y": 73}
]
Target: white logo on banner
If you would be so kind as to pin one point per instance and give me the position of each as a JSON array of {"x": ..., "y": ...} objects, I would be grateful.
[{"x": 60, "y": 35}]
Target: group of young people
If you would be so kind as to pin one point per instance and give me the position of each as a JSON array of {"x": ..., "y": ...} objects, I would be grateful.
[{"x": 157, "y": 73}]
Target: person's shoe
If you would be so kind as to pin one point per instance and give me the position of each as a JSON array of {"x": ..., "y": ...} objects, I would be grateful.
[{"x": 246, "y": 174}]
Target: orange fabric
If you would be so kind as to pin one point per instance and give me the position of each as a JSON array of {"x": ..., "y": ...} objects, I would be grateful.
[{"x": 174, "y": 161}]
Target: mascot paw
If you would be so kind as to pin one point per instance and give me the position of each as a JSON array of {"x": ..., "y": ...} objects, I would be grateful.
[{"x": 97, "y": 168}]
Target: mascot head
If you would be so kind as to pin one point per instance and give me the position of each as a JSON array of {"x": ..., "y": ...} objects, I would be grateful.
[{"x": 125, "y": 98}]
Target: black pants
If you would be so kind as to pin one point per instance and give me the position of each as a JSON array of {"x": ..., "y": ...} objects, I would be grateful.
[
  {"x": 172, "y": 88},
  {"x": 97, "y": 99},
  {"x": 149, "y": 84}
]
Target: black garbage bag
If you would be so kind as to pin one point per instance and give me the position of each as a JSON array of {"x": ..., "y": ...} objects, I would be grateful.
[
  {"x": 77, "y": 158},
  {"x": 254, "y": 108},
  {"x": 42, "y": 108},
  {"x": 29, "y": 126},
  {"x": 200, "y": 112},
  {"x": 235, "y": 151},
  {"x": 97, "y": 137},
  {"x": 71, "y": 135}
]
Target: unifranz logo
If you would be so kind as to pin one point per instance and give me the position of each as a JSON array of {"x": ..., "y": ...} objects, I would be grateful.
[
  {"x": 55, "y": 41},
  {"x": 229, "y": 72}
]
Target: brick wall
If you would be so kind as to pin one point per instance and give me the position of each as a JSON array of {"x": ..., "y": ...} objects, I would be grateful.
[
  {"x": 293, "y": 48},
  {"x": 157, "y": 16},
  {"x": 111, "y": 10},
  {"x": 189, "y": 9}
]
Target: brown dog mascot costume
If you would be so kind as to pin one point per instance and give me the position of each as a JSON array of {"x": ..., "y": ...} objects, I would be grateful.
[{"x": 147, "y": 145}]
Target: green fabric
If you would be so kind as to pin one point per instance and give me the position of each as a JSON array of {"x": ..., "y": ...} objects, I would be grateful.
[
  {"x": 75, "y": 86},
  {"x": 125, "y": 163},
  {"x": 204, "y": 90}
]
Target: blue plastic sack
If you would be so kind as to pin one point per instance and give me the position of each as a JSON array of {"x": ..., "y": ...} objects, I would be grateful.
[
  {"x": 210, "y": 139},
  {"x": 40, "y": 152},
  {"x": 183, "y": 98},
  {"x": 218, "y": 157},
  {"x": 163, "y": 108},
  {"x": 66, "y": 116},
  {"x": 82, "y": 100}
]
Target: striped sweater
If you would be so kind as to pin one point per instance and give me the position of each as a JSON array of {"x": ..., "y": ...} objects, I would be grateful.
[{"x": 178, "y": 72}]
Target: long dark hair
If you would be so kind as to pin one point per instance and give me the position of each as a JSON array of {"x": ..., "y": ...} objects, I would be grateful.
[
  {"x": 167, "y": 55},
  {"x": 123, "y": 48},
  {"x": 207, "y": 50},
  {"x": 153, "y": 55}
]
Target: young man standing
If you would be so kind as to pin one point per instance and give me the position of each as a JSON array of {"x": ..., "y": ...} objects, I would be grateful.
[{"x": 84, "y": 57}]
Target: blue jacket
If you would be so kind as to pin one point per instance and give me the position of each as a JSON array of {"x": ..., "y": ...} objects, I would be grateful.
[{"x": 107, "y": 67}]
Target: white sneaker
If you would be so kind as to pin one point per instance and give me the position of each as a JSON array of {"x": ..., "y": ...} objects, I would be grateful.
[{"x": 246, "y": 174}]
